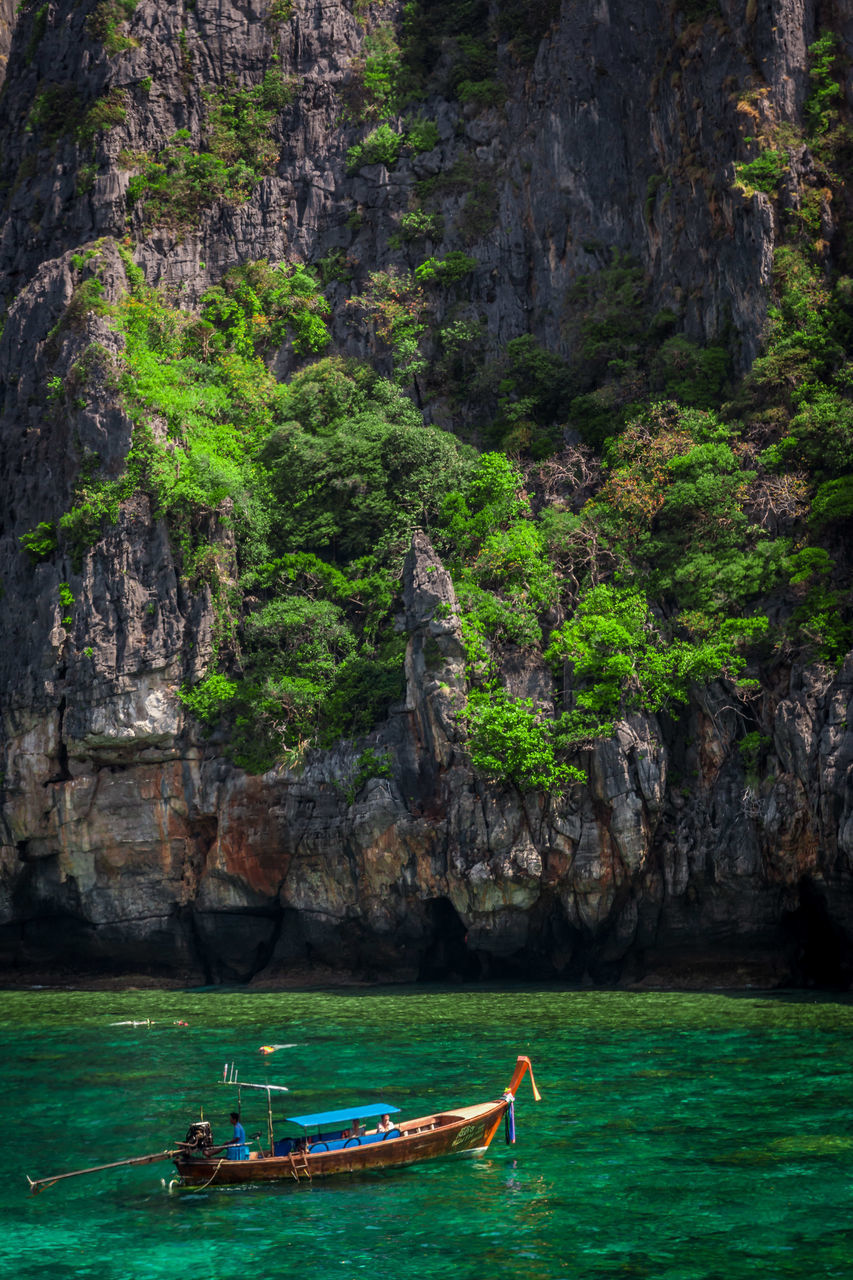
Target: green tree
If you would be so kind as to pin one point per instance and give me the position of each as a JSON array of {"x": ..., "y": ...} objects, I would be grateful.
[
  {"x": 672, "y": 512},
  {"x": 492, "y": 499},
  {"x": 826, "y": 95},
  {"x": 258, "y": 306},
  {"x": 361, "y": 470},
  {"x": 381, "y": 146},
  {"x": 624, "y": 660},
  {"x": 511, "y": 741}
]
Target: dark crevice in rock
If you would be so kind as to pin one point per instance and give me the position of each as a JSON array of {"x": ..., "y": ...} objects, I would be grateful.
[
  {"x": 446, "y": 957},
  {"x": 63, "y": 773},
  {"x": 234, "y": 946},
  {"x": 265, "y": 949},
  {"x": 823, "y": 950},
  {"x": 204, "y": 832},
  {"x": 198, "y": 946}
]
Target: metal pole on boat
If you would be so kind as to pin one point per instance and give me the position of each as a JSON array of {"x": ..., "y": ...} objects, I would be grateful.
[{"x": 269, "y": 1120}]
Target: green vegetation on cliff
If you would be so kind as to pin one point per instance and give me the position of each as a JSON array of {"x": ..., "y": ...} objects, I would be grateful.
[
  {"x": 322, "y": 480},
  {"x": 174, "y": 186},
  {"x": 629, "y": 518},
  {"x": 651, "y": 584}
]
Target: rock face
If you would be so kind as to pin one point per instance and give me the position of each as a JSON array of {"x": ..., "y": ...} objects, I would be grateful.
[
  {"x": 618, "y": 138},
  {"x": 128, "y": 844}
]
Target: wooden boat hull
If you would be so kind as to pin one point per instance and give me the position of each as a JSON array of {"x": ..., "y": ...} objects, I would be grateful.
[{"x": 426, "y": 1138}]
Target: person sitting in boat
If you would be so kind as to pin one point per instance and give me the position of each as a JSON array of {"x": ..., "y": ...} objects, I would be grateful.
[
  {"x": 385, "y": 1125},
  {"x": 357, "y": 1130}
]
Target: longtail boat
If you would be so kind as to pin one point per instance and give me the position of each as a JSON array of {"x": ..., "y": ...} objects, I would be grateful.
[{"x": 331, "y": 1142}]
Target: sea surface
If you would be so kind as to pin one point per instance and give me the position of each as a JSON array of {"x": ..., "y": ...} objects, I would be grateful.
[{"x": 679, "y": 1137}]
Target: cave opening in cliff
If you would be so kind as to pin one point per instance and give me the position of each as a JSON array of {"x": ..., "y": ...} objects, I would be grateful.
[
  {"x": 446, "y": 957},
  {"x": 822, "y": 949}
]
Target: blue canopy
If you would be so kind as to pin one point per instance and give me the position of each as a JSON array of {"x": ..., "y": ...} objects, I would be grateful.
[{"x": 342, "y": 1117}]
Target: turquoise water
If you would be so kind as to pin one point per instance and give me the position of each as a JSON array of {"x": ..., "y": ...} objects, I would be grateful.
[{"x": 680, "y": 1137}]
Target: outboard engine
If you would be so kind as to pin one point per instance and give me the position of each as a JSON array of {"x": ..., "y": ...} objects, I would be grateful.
[{"x": 199, "y": 1136}]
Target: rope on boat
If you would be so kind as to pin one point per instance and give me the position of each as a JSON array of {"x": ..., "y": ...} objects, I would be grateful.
[{"x": 210, "y": 1179}]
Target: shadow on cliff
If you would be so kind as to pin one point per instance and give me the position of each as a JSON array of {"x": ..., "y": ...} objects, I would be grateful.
[
  {"x": 447, "y": 958},
  {"x": 821, "y": 947}
]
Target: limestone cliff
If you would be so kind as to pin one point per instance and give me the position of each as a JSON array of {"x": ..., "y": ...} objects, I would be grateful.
[{"x": 127, "y": 840}]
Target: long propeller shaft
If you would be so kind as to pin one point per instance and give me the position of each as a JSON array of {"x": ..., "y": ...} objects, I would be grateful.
[{"x": 39, "y": 1184}]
